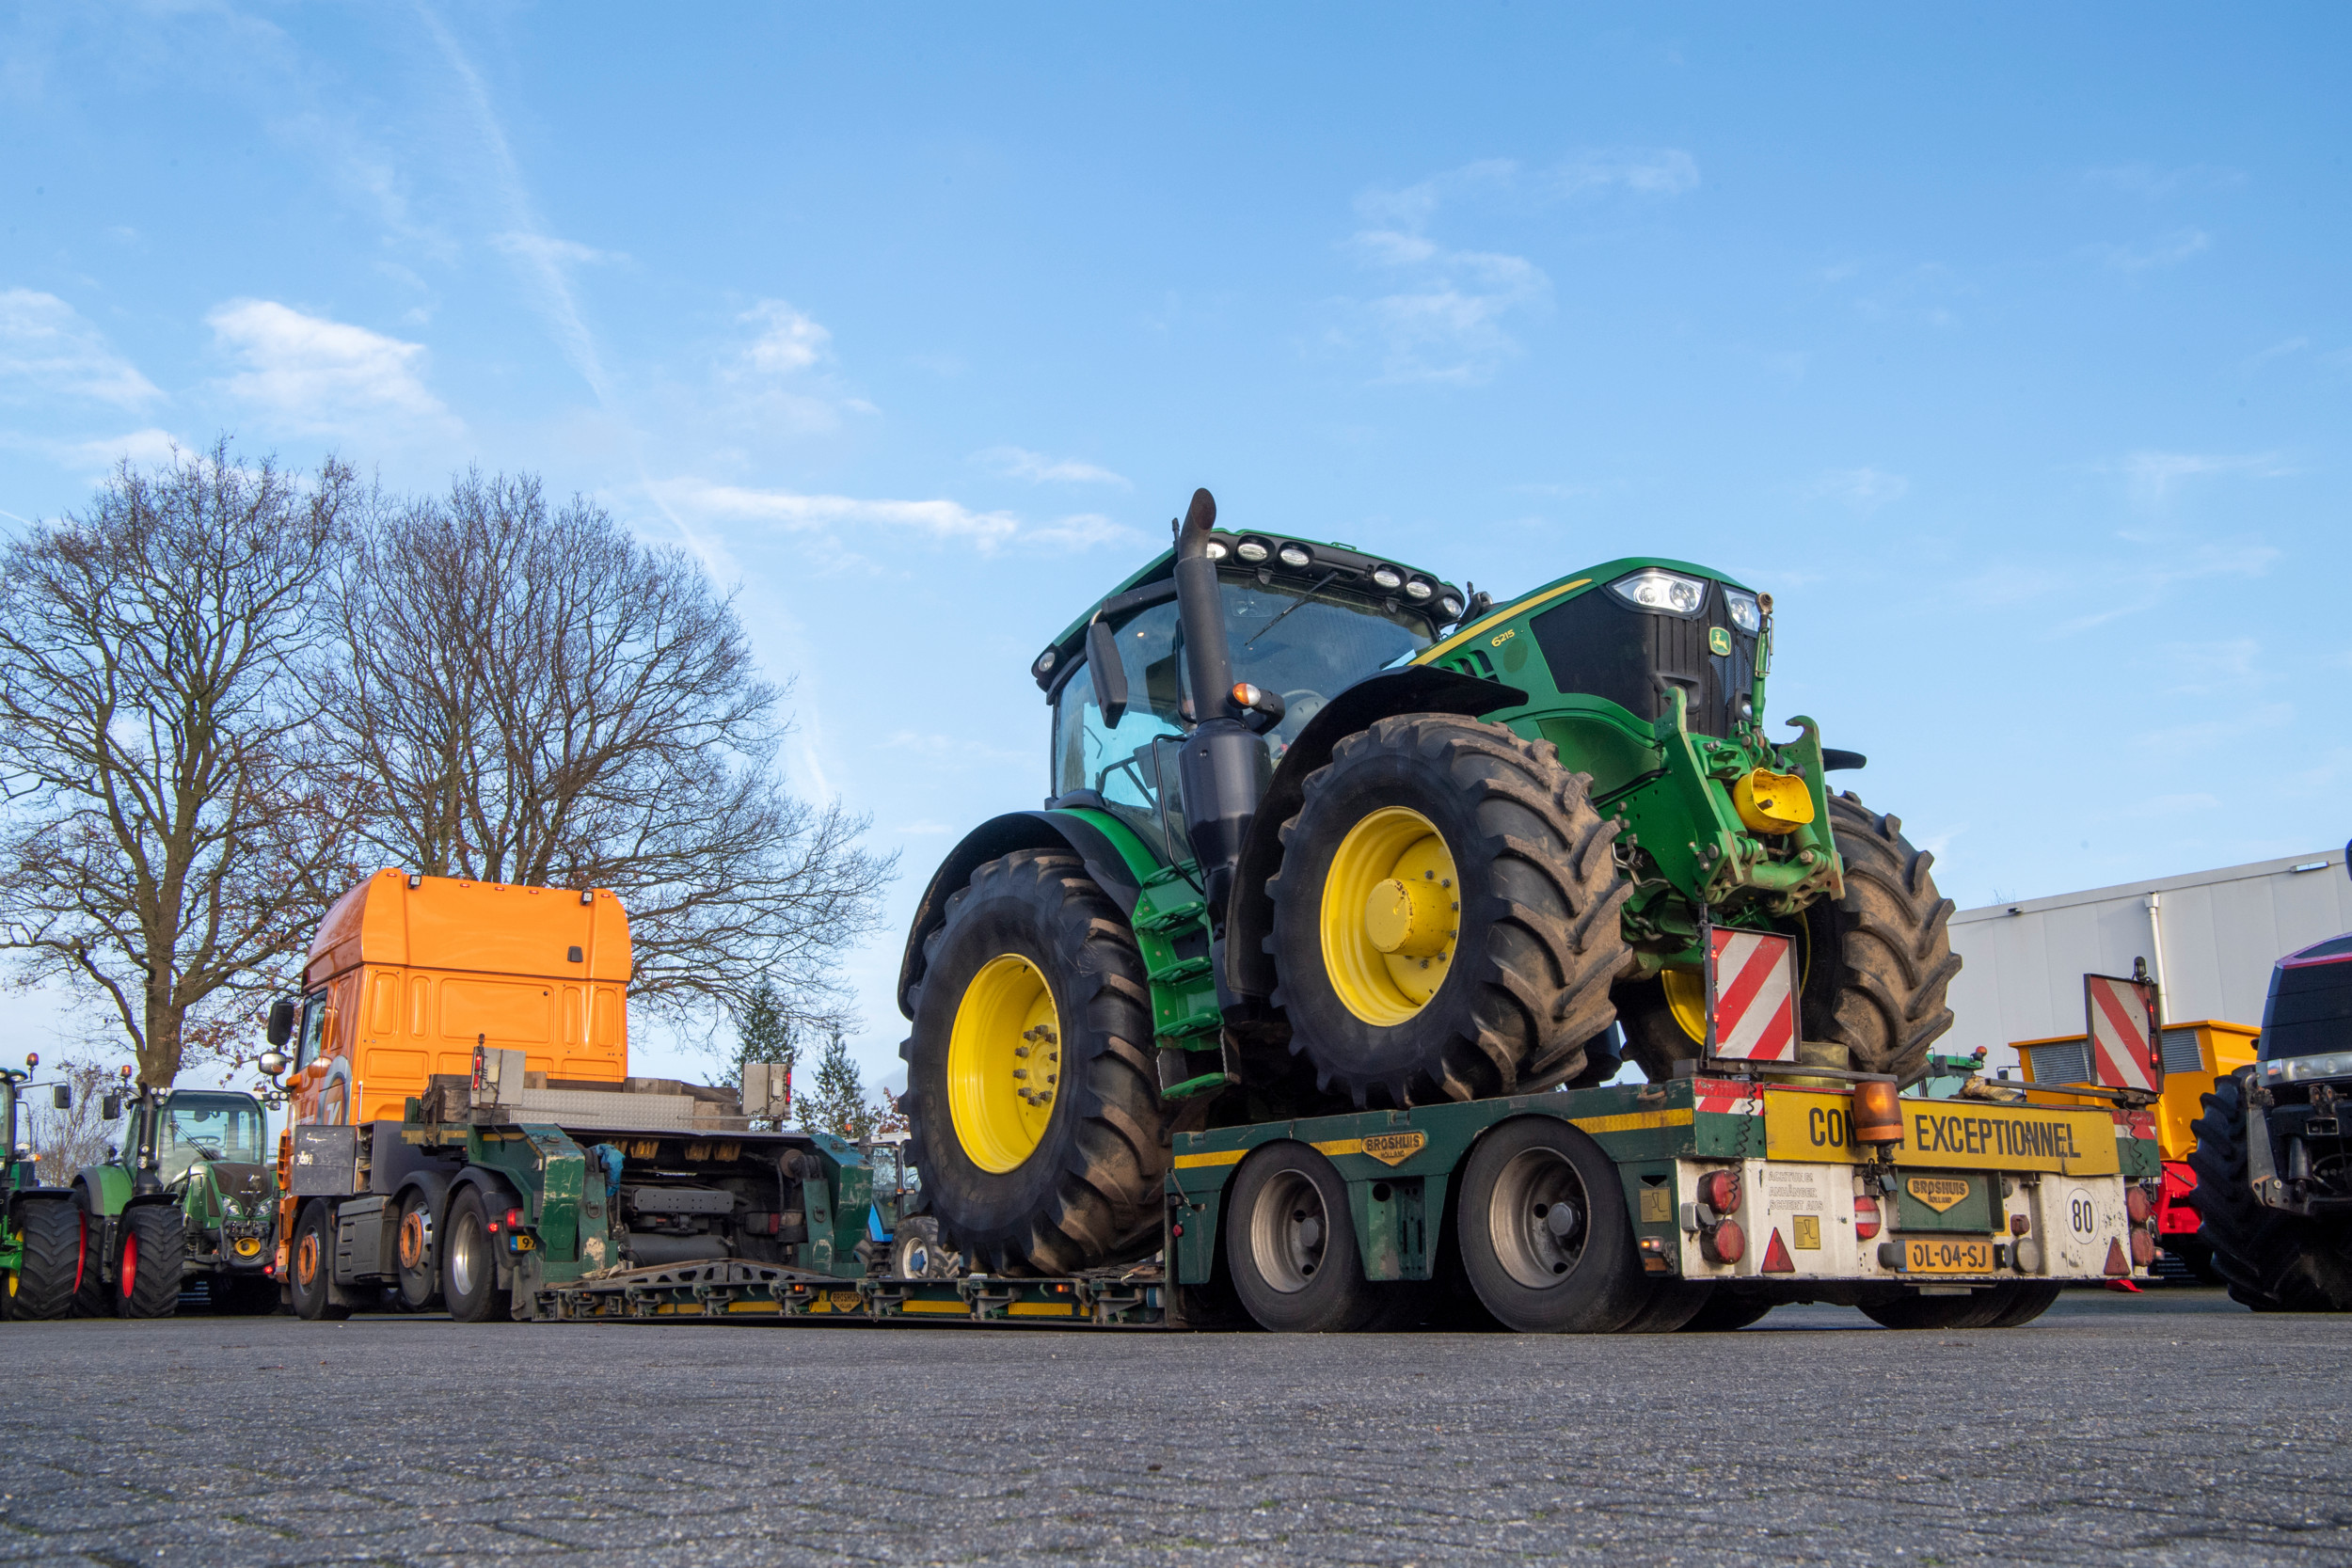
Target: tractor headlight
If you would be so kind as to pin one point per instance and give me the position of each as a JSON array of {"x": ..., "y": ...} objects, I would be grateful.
[
  {"x": 1655, "y": 588},
  {"x": 1745, "y": 613}
]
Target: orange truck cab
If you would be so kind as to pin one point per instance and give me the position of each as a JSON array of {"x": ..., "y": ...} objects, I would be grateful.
[
  {"x": 409, "y": 974},
  {"x": 2195, "y": 1055}
]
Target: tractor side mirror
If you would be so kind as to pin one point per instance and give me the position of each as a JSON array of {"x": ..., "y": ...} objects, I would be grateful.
[
  {"x": 1109, "y": 674},
  {"x": 271, "y": 1062},
  {"x": 110, "y": 1108},
  {"x": 62, "y": 1098},
  {"x": 281, "y": 1021}
]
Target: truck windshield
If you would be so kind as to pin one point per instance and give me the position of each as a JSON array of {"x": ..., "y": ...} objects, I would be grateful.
[
  {"x": 208, "y": 1126},
  {"x": 2310, "y": 1010},
  {"x": 1307, "y": 645}
]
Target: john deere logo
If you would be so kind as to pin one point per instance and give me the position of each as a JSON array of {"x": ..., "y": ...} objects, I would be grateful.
[
  {"x": 1938, "y": 1192},
  {"x": 1718, "y": 640},
  {"x": 1394, "y": 1148}
]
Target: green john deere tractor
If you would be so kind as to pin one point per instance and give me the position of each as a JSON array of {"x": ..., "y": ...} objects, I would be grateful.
[
  {"x": 40, "y": 1242},
  {"x": 1327, "y": 833},
  {"x": 190, "y": 1197}
]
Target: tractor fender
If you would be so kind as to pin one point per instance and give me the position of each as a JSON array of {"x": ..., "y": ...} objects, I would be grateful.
[
  {"x": 1415, "y": 688},
  {"x": 105, "y": 1188},
  {"x": 1002, "y": 835}
]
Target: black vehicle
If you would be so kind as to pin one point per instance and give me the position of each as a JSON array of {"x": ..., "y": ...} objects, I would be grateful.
[{"x": 2274, "y": 1148}]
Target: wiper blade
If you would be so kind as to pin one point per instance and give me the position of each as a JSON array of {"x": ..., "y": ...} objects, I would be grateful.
[{"x": 1295, "y": 604}]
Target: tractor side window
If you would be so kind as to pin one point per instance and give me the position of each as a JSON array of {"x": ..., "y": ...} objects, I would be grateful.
[
  {"x": 1131, "y": 764},
  {"x": 313, "y": 1024}
]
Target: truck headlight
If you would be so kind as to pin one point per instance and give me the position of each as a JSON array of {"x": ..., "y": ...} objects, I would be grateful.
[
  {"x": 1745, "y": 613},
  {"x": 1655, "y": 588}
]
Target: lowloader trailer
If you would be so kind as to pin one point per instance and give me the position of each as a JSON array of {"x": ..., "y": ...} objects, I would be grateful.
[{"x": 1699, "y": 1202}]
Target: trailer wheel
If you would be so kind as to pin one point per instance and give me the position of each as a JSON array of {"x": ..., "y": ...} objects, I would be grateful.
[
  {"x": 1544, "y": 1237},
  {"x": 2272, "y": 1261},
  {"x": 89, "y": 1296},
  {"x": 1446, "y": 915},
  {"x": 1290, "y": 1245},
  {"x": 154, "y": 1250},
  {"x": 312, "y": 1263},
  {"x": 1034, "y": 1099},
  {"x": 2025, "y": 1302},
  {"x": 1976, "y": 1309},
  {"x": 1726, "y": 1312},
  {"x": 470, "y": 1270},
  {"x": 418, "y": 1270},
  {"x": 1673, "y": 1303},
  {"x": 42, "y": 1286}
]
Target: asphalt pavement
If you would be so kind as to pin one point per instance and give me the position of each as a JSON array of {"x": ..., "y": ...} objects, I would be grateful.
[{"x": 2169, "y": 1427}]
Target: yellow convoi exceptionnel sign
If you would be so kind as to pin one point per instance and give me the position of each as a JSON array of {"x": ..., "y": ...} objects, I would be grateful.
[{"x": 1962, "y": 1134}]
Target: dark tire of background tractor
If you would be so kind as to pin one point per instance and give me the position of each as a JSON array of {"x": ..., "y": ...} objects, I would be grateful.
[
  {"x": 1290, "y": 1246},
  {"x": 154, "y": 1251},
  {"x": 1090, "y": 1192},
  {"x": 91, "y": 1296},
  {"x": 1540, "y": 938},
  {"x": 1537, "y": 1270},
  {"x": 2024, "y": 1304},
  {"x": 2271, "y": 1261},
  {"x": 52, "y": 1259},
  {"x": 2197, "y": 1258},
  {"x": 1726, "y": 1311}
]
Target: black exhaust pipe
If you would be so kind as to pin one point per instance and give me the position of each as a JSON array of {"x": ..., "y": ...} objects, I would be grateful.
[{"x": 1223, "y": 769}]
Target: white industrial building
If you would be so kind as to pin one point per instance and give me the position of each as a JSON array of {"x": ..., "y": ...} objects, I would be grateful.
[{"x": 2209, "y": 937}]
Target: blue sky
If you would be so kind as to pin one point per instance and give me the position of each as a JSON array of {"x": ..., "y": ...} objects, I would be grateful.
[{"x": 2011, "y": 351}]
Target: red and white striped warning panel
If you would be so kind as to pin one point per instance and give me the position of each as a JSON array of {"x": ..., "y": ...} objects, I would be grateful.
[
  {"x": 2123, "y": 1026},
  {"x": 1756, "y": 997}
]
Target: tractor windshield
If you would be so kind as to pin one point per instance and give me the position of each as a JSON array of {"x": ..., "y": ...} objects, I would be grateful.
[
  {"x": 1306, "y": 643},
  {"x": 207, "y": 1127}
]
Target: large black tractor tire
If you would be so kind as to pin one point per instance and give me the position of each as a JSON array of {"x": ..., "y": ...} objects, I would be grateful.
[
  {"x": 2271, "y": 1261},
  {"x": 1877, "y": 962},
  {"x": 154, "y": 1252},
  {"x": 1520, "y": 980},
  {"x": 51, "y": 1267},
  {"x": 1543, "y": 1234},
  {"x": 1042, "y": 1138},
  {"x": 91, "y": 1295},
  {"x": 1291, "y": 1248}
]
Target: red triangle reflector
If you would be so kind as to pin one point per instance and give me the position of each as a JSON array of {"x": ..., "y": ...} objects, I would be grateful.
[
  {"x": 1776, "y": 1258},
  {"x": 2117, "y": 1263}
]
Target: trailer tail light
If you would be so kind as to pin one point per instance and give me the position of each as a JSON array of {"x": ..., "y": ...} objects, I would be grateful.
[
  {"x": 2143, "y": 1249},
  {"x": 1720, "y": 1190},
  {"x": 1865, "y": 1219},
  {"x": 2135, "y": 1204},
  {"x": 514, "y": 1219},
  {"x": 1724, "y": 1242}
]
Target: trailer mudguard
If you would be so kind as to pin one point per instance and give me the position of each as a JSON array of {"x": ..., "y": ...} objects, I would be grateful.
[
  {"x": 1415, "y": 688},
  {"x": 1021, "y": 830}
]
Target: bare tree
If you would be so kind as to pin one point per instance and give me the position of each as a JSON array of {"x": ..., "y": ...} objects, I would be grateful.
[
  {"x": 163, "y": 821},
  {"x": 533, "y": 696},
  {"x": 71, "y": 1139}
]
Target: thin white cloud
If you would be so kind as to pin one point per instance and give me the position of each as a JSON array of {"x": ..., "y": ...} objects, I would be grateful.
[
  {"x": 1644, "y": 172},
  {"x": 784, "y": 339},
  {"x": 1863, "y": 489},
  {"x": 315, "y": 374},
  {"x": 2156, "y": 477},
  {"x": 48, "y": 349},
  {"x": 2147, "y": 180},
  {"x": 940, "y": 521},
  {"x": 2167, "y": 250},
  {"x": 1020, "y": 463}
]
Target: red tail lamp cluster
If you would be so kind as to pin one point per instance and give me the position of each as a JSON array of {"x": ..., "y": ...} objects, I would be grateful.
[
  {"x": 1724, "y": 1242},
  {"x": 1720, "y": 1190}
]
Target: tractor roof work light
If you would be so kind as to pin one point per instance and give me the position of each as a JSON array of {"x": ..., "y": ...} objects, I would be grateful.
[
  {"x": 1296, "y": 556},
  {"x": 1253, "y": 550},
  {"x": 1655, "y": 588},
  {"x": 1420, "y": 588},
  {"x": 1389, "y": 578}
]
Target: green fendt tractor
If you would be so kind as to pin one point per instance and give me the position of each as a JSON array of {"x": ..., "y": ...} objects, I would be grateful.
[
  {"x": 1327, "y": 833},
  {"x": 41, "y": 1243},
  {"x": 191, "y": 1194}
]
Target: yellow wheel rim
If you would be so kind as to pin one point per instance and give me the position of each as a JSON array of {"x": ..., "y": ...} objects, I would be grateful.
[
  {"x": 1004, "y": 1063},
  {"x": 1392, "y": 911},
  {"x": 1686, "y": 996}
]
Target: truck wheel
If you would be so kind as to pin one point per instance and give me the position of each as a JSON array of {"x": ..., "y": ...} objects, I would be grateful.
[
  {"x": 42, "y": 1286},
  {"x": 419, "y": 1270},
  {"x": 1290, "y": 1245},
  {"x": 312, "y": 1263},
  {"x": 1034, "y": 1104},
  {"x": 1673, "y": 1303},
  {"x": 1545, "y": 1237},
  {"x": 89, "y": 1296},
  {"x": 154, "y": 1250},
  {"x": 2272, "y": 1261},
  {"x": 470, "y": 1272},
  {"x": 1876, "y": 963},
  {"x": 1446, "y": 917},
  {"x": 1726, "y": 1312}
]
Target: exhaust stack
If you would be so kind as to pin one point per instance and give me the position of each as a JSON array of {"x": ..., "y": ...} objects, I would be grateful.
[{"x": 1223, "y": 768}]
